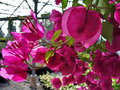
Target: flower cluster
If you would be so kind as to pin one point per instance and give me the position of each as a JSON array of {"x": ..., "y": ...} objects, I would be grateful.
[{"x": 72, "y": 48}]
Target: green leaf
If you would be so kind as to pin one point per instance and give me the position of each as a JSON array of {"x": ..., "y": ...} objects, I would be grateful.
[
  {"x": 107, "y": 30},
  {"x": 75, "y": 3},
  {"x": 95, "y": 2},
  {"x": 70, "y": 40},
  {"x": 56, "y": 35},
  {"x": 108, "y": 8},
  {"x": 86, "y": 55},
  {"x": 86, "y": 2},
  {"x": 49, "y": 54},
  {"x": 64, "y": 3}
]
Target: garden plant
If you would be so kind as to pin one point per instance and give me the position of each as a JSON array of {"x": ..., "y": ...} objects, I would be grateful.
[{"x": 83, "y": 46}]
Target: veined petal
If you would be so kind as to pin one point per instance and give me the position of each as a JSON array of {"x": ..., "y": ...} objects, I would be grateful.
[{"x": 84, "y": 25}]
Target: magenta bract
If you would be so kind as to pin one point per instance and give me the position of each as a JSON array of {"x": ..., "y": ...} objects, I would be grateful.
[
  {"x": 115, "y": 46},
  {"x": 38, "y": 54},
  {"x": 56, "y": 83},
  {"x": 106, "y": 64},
  {"x": 31, "y": 30},
  {"x": 55, "y": 17},
  {"x": 18, "y": 73},
  {"x": 84, "y": 25},
  {"x": 117, "y": 13},
  {"x": 57, "y": 2},
  {"x": 68, "y": 80}
]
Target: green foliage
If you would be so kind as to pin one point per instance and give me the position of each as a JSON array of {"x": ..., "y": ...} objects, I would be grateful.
[
  {"x": 115, "y": 85},
  {"x": 87, "y": 2},
  {"x": 64, "y": 3},
  {"x": 84, "y": 56},
  {"x": 75, "y": 3},
  {"x": 103, "y": 3},
  {"x": 69, "y": 87},
  {"x": 70, "y": 40},
  {"x": 3, "y": 42},
  {"x": 107, "y": 29},
  {"x": 56, "y": 35},
  {"x": 46, "y": 80},
  {"x": 3, "y": 39},
  {"x": 100, "y": 45},
  {"x": 49, "y": 54}
]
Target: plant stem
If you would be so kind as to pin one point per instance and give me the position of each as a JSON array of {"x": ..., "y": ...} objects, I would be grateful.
[
  {"x": 33, "y": 78},
  {"x": 65, "y": 41},
  {"x": 101, "y": 7},
  {"x": 47, "y": 42},
  {"x": 89, "y": 5}
]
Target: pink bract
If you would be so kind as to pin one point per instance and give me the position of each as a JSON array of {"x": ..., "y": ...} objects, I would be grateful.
[
  {"x": 80, "y": 79},
  {"x": 106, "y": 84},
  {"x": 115, "y": 46},
  {"x": 4, "y": 74},
  {"x": 17, "y": 74},
  {"x": 117, "y": 13},
  {"x": 106, "y": 64},
  {"x": 68, "y": 80},
  {"x": 31, "y": 30},
  {"x": 38, "y": 54},
  {"x": 56, "y": 83},
  {"x": 57, "y": 2},
  {"x": 84, "y": 25},
  {"x": 55, "y": 17}
]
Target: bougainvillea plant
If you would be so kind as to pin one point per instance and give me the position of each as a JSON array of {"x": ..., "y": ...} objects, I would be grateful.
[{"x": 83, "y": 45}]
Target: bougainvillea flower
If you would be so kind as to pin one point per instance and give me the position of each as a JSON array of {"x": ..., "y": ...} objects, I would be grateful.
[
  {"x": 67, "y": 52},
  {"x": 27, "y": 44},
  {"x": 115, "y": 46},
  {"x": 4, "y": 74},
  {"x": 68, "y": 80},
  {"x": 112, "y": 1},
  {"x": 67, "y": 67},
  {"x": 36, "y": 31},
  {"x": 79, "y": 47},
  {"x": 17, "y": 74},
  {"x": 56, "y": 83},
  {"x": 106, "y": 84},
  {"x": 91, "y": 85},
  {"x": 63, "y": 61},
  {"x": 12, "y": 54},
  {"x": 91, "y": 76},
  {"x": 57, "y": 2},
  {"x": 31, "y": 31},
  {"x": 80, "y": 79},
  {"x": 33, "y": 15},
  {"x": 55, "y": 17},
  {"x": 11, "y": 58},
  {"x": 117, "y": 13},
  {"x": 16, "y": 51},
  {"x": 38, "y": 54},
  {"x": 68, "y": 64},
  {"x": 54, "y": 62},
  {"x": 84, "y": 25},
  {"x": 81, "y": 67},
  {"x": 107, "y": 64}
]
